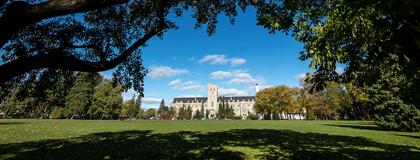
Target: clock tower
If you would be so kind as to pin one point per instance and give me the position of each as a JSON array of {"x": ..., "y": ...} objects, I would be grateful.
[{"x": 212, "y": 104}]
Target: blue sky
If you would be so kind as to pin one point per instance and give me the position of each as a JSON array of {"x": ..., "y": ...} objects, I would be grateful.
[{"x": 235, "y": 58}]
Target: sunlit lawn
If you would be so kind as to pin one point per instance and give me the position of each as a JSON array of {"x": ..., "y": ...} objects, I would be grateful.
[{"x": 95, "y": 139}]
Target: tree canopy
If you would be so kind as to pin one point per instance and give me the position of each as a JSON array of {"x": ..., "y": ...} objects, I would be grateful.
[
  {"x": 276, "y": 100},
  {"x": 80, "y": 96},
  {"x": 88, "y": 97},
  {"x": 107, "y": 102},
  {"x": 93, "y": 36},
  {"x": 377, "y": 42}
]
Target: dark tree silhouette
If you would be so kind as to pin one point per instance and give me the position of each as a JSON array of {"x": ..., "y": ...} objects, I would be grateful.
[{"x": 91, "y": 36}]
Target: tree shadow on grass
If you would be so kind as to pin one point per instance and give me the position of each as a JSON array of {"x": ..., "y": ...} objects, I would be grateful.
[
  {"x": 231, "y": 144},
  {"x": 362, "y": 127},
  {"x": 410, "y": 136},
  {"x": 11, "y": 123}
]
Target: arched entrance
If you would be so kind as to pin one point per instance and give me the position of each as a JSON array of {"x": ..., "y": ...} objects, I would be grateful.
[{"x": 212, "y": 114}]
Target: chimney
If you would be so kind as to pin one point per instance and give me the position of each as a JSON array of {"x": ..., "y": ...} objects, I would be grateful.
[{"x": 257, "y": 88}]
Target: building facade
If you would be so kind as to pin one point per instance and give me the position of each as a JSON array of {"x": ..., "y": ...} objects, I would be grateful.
[{"x": 242, "y": 105}]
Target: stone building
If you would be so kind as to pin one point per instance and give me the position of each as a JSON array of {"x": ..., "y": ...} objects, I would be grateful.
[{"x": 242, "y": 105}]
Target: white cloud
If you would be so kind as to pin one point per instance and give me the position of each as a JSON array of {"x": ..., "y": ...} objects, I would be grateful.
[
  {"x": 231, "y": 92},
  {"x": 184, "y": 86},
  {"x": 214, "y": 59},
  {"x": 243, "y": 75},
  {"x": 190, "y": 95},
  {"x": 245, "y": 78},
  {"x": 165, "y": 71},
  {"x": 191, "y": 59},
  {"x": 174, "y": 83},
  {"x": 151, "y": 100},
  {"x": 222, "y": 59},
  {"x": 237, "y": 61},
  {"x": 190, "y": 85},
  {"x": 219, "y": 75},
  {"x": 238, "y": 77},
  {"x": 237, "y": 81}
]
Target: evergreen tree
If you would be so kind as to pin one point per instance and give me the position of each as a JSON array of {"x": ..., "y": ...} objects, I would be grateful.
[
  {"x": 181, "y": 113},
  {"x": 224, "y": 111},
  {"x": 189, "y": 113},
  {"x": 197, "y": 114},
  {"x": 230, "y": 113},
  {"x": 162, "y": 103},
  {"x": 394, "y": 105},
  {"x": 220, "y": 112},
  {"x": 171, "y": 113},
  {"x": 200, "y": 114},
  {"x": 107, "y": 102},
  {"x": 207, "y": 114},
  {"x": 163, "y": 110},
  {"x": 203, "y": 113},
  {"x": 80, "y": 95}
]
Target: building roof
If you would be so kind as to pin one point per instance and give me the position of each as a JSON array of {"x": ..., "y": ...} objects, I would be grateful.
[
  {"x": 189, "y": 99},
  {"x": 200, "y": 99}
]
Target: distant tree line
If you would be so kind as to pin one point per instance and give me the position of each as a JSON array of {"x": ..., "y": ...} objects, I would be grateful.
[
  {"x": 336, "y": 101},
  {"x": 341, "y": 101},
  {"x": 78, "y": 95},
  {"x": 83, "y": 95},
  {"x": 186, "y": 112}
]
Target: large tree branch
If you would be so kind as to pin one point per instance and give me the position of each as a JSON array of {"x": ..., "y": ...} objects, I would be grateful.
[
  {"x": 20, "y": 14},
  {"x": 22, "y": 65}
]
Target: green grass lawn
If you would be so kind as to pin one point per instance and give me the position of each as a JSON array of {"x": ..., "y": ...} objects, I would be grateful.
[{"x": 95, "y": 139}]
